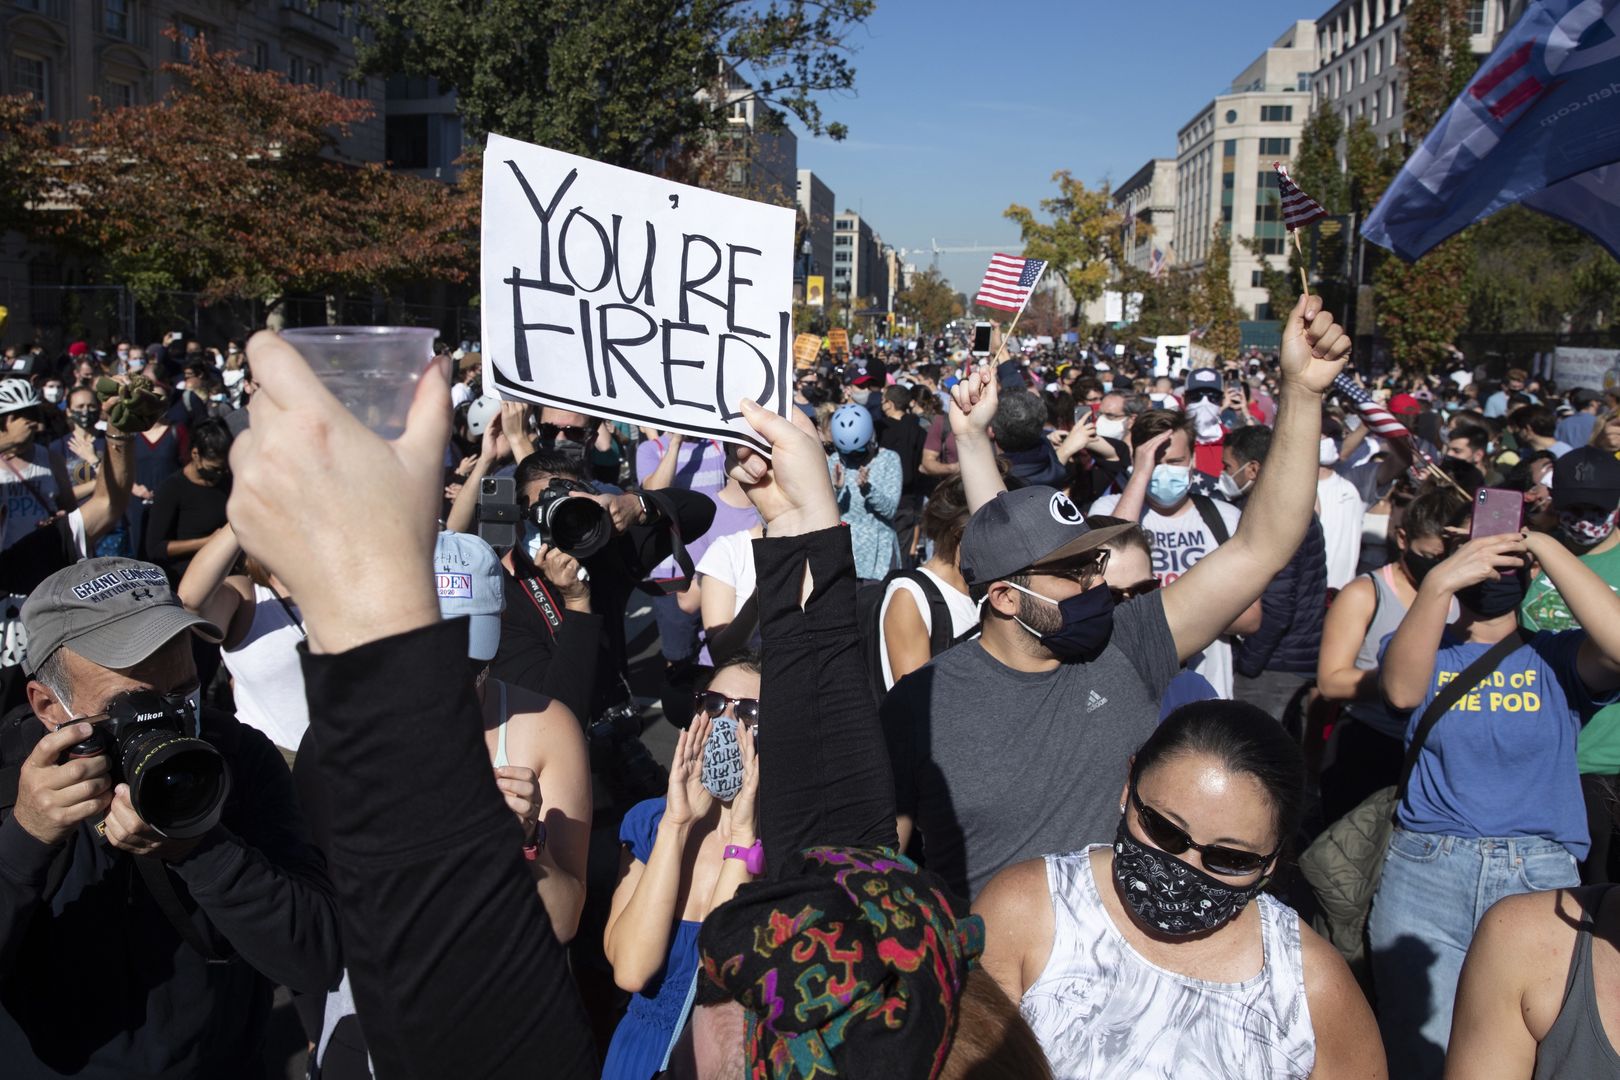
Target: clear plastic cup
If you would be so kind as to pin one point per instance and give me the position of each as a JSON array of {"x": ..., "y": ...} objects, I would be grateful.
[{"x": 373, "y": 370}]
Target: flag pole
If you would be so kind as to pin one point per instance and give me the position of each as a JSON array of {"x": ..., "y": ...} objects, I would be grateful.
[
  {"x": 1304, "y": 285},
  {"x": 1002, "y": 349}
]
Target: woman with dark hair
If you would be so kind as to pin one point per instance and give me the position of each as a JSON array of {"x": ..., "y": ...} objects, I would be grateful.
[
  {"x": 906, "y": 615},
  {"x": 683, "y": 856},
  {"x": 1368, "y": 742},
  {"x": 1148, "y": 959}
]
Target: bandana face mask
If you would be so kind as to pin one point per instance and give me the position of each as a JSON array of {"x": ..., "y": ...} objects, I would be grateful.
[
  {"x": 1584, "y": 530},
  {"x": 1171, "y": 897}
]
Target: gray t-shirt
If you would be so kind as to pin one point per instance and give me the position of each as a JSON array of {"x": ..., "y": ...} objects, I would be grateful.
[{"x": 995, "y": 766}]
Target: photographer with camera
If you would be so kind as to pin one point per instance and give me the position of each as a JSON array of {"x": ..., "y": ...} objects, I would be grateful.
[{"x": 156, "y": 878}]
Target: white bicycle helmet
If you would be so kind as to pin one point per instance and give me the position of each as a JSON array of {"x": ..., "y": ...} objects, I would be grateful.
[
  {"x": 480, "y": 413},
  {"x": 17, "y": 394},
  {"x": 851, "y": 428}
]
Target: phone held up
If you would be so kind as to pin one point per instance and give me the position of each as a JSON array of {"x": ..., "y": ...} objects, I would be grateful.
[
  {"x": 498, "y": 513},
  {"x": 1497, "y": 512},
  {"x": 981, "y": 339}
]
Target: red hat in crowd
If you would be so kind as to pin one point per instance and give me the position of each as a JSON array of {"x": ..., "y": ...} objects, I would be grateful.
[
  {"x": 78, "y": 348},
  {"x": 1405, "y": 405}
]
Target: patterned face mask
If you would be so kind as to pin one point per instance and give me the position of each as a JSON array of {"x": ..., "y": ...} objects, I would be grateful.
[
  {"x": 722, "y": 760},
  {"x": 1172, "y": 897},
  {"x": 1585, "y": 530}
]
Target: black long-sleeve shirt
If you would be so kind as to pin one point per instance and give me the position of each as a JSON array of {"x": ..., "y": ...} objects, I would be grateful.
[
  {"x": 454, "y": 966},
  {"x": 95, "y": 981}
]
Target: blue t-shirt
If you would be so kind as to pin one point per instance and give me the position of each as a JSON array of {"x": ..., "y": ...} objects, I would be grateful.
[{"x": 1501, "y": 762}]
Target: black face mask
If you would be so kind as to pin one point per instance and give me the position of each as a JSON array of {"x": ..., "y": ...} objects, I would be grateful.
[
  {"x": 1088, "y": 623},
  {"x": 1171, "y": 897},
  {"x": 85, "y": 418},
  {"x": 1490, "y": 599},
  {"x": 1419, "y": 566}
]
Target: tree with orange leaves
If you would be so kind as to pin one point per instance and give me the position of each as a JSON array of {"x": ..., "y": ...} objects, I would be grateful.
[{"x": 232, "y": 185}]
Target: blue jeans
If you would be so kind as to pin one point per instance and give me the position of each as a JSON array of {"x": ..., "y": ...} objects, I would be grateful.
[{"x": 1434, "y": 891}]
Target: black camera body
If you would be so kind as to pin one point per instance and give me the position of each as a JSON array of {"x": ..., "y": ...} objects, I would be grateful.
[
  {"x": 177, "y": 782},
  {"x": 576, "y": 527}
]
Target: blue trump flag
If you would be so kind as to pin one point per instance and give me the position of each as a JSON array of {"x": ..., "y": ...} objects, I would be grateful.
[{"x": 1539, "y": 124}]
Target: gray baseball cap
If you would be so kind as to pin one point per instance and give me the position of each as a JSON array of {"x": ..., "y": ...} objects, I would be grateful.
[
  {"x": 469, "y": 581},
  {"x": 113, "y": 612},
  {"x": 1021, "y": 529}
]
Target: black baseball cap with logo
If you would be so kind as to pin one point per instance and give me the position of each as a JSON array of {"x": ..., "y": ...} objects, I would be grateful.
[
  {"x": 1024, "y": 529},
  {"x": 1586, "y": 476},
  {"x": 113, "y": 612}
]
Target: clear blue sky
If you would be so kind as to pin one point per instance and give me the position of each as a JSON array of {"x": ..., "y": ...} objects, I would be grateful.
[{"x": 962, "y": 108}]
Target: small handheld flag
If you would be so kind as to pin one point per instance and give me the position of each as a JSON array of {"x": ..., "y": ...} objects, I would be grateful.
[
  {"x": 1299, "y": 210},
  {"x": 1383, "y": 423},
  {"x": 1008, "y": 281}
]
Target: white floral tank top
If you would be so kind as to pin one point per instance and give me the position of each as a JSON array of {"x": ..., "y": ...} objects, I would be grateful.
[{"x": 1103, "y": 1012}]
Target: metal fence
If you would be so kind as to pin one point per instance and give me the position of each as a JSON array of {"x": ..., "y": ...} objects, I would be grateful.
[{"x": 56, "y": 315}]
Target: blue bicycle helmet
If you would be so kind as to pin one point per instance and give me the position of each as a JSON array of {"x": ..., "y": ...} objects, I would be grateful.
[{"x": 852, "y": 428}]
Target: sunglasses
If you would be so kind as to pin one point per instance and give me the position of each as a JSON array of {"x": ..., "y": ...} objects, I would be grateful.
[
  {"x": 1078, "y": 574},
  {"x": 571, "y": 432},
  {"x": 713, "y": 703},
  {"x": 1172, "y": 838},
  {"x": 1131, "y": 592}
]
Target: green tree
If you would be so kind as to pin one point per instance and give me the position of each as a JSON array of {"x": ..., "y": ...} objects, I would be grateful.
[
  {"x": 632, "y": 82},
  {"x": 1282, "y": 286},
  {"x": 26, "y": 152},
  {"x": 1081, "y": 240},
  {"x": 1423, "y": 306},
  {"x": 1531, "y": 273},
  {"x": 1213, "y": 309},
  {"x": 928, "y": 301},
  {"x": 1316, "y": 167}
]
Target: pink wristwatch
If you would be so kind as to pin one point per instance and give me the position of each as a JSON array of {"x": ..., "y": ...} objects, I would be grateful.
[{"x": 753, "y": 858}]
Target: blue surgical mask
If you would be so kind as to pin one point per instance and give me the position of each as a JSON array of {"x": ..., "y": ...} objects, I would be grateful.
[{"x": 1169, "y": 484}]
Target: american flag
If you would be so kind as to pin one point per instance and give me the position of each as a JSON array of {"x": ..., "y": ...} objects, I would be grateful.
[
  {"x": 1379, "y": 419},
  {"x": 1009, "y": 281},
  {"x": 1299, "y": 209},
  {"x": 1156, "y": 264}
]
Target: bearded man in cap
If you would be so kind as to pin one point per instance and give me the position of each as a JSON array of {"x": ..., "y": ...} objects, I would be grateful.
[
  {"x": 1016, "y": 745},
  {"x": 156, "y": 878}
]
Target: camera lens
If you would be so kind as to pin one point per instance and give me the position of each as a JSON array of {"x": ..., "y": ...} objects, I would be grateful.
[
  {"x": 177, "y": 784},
  {"x": 489, "y": 485},
  {"x": 579, "y": 527}
]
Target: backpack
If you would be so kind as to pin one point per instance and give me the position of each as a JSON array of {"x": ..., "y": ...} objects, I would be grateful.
[{"x": 869, "y": 621}]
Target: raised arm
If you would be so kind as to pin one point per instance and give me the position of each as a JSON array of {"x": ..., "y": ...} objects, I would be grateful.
[
  {"x": 1132, "y": 502},
  {"x": 205, "y": 588},
  {"x": 463, "y": 516},
  {"x": 973, "y": 406},
  {"x": 1409, "y": 661},
  {"x": 1202, "y": 603},
  {"x": 1595, "y": 606},
  {"x": 110, "y": 497},
  {"x": 455, "y": 969},
  {"x": 826, "y": 774},
  {"x": 662, "y": 476}
]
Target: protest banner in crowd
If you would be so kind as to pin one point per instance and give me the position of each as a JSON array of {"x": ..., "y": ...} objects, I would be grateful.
[{"x": 622, "y": 295}]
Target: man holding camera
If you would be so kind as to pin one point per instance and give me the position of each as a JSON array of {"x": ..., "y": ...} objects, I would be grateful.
[{"x": 156, "y": 878}]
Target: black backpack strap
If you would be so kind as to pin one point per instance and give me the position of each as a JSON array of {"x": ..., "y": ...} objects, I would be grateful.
[
  {"x": 1212, "y": 517},
  {"x": 156, "y": 877},
  {"x": 939, "y": 612},
  {"x": 1445, "y": 699}
]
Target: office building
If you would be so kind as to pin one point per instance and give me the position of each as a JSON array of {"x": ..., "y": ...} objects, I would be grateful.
[
  {"x": 1148, "y": 202},
  {"x": 1224, "y": 155},
  {"x": 817, "y": 208},
  {"x": 858, "y": 276}
]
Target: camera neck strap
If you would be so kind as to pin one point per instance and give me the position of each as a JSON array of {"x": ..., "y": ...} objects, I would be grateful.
[
  {"x": 156, "y": 876},
  {"x": 542, "y": 601}
]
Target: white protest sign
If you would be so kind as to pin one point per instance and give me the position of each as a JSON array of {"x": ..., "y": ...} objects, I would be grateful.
[
  {"x": 1584, "y": 367},
  {"x": 615, "y": 294}
]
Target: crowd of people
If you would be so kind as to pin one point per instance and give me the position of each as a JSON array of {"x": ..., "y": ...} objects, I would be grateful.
[{"x": 1009, "y": 689}]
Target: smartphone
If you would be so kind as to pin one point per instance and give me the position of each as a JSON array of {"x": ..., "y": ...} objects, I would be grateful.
[
  {"x": 981, "y": 339},
  {"x": 1497, "y": 511},
  {"x": 498, "y": 512}
]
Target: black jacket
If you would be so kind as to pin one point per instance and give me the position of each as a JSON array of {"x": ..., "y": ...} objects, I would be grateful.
[
  {"x": 96, "y": 982},
  {"x": 454, "y": 966},
  {"x": 1292, "y": 609}
]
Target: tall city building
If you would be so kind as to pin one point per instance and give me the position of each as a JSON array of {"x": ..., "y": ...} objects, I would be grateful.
[
  {"x": 816, "y": 203},
  {"x": 1148, "y": 202},
  {"x": 1360, "y": 46},
  {"x": 1224, "y": 155},
  {"x": 758, "y": 153},
  {"x": 858, "y": 274}
]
